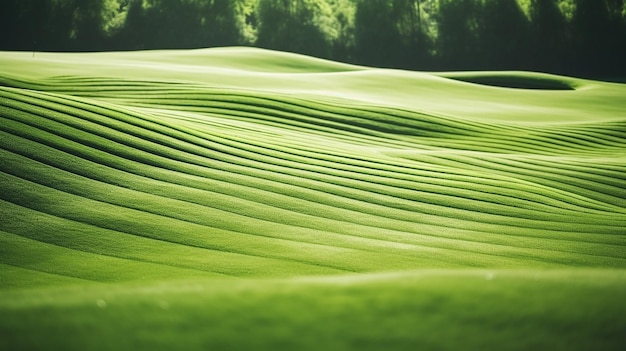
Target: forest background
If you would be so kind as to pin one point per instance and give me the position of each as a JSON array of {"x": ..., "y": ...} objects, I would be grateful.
[{"x": 584, "y": 38}]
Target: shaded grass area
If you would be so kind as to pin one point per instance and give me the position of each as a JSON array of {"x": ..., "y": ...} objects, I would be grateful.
[
  {"x": 242, "y": 199},
  {"x": 515, "y": 80}
]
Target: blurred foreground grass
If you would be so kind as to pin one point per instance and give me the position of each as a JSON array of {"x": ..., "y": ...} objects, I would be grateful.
[{"x": 432, "y": 309}]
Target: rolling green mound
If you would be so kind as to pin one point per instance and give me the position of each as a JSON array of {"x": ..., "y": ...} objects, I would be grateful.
[{"x": 240, "y": 198}]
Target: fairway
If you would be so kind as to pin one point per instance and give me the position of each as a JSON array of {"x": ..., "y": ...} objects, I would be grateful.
[{"x": 240, "y": 198}]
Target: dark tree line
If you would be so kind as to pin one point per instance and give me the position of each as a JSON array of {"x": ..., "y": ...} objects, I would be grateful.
[{"x": 577, "y": 37}]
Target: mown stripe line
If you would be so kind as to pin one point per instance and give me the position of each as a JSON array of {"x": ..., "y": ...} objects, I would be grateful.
[
  {"x": 252, "y": 158},
  {"x": 438, "y": 214}
]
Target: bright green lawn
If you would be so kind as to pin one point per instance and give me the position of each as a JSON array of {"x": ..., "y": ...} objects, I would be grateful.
[{"x": 238, "y": 198}]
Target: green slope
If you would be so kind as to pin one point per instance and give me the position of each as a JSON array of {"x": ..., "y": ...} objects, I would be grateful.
[{"x": 236, "y": 197}]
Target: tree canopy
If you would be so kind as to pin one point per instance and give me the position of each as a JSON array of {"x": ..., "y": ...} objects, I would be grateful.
[{"x": 577, "y": 37}]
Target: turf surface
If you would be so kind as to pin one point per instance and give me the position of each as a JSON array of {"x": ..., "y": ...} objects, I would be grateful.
[{"x": 238, "y": 198}]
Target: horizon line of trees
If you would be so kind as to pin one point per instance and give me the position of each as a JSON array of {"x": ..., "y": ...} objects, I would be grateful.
[{"x": 575, "y": 37}]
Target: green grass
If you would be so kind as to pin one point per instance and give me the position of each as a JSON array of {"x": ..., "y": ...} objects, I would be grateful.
[{"x": 239, "y": 198}]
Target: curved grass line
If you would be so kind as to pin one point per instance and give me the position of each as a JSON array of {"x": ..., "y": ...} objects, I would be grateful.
[
  {"x": 561, "y": 178},
  {"x": 126, "y": 184},
  {"x": 216, "y": 150},
  {"x": 586, "y": 172},
  {"x": 512, "y": 255},
  {"x": 363, "y": 123},
  {"x": 288, "y": 103},
  {"x": 54, "y": 180},
  {"x": 215, "y": 229},
  {"x": 524, "y": 144},
  {"x": 251, "y": 158},
  {"x": 539, "y": 176},
  {"x": 418, "y": 124},
  {"x": 342, "y": 168},
  {"x": 152, "y": 174},
  {"x": 505, "y": 140},
  {"x": 139, "y": 202},
  {"x": 482, "y": 127},
  {"x": 29, "y": 277},
  {"x": 113, "y": 221},
  {"x": 187, "y": 208},
  {"x": 152, "y": 250},
  {"x": 299, "y": 105},
  {"x": 55, "y": 258},
  {"x": 400, "y": 196},
  {"x": 578, "y": 228}
]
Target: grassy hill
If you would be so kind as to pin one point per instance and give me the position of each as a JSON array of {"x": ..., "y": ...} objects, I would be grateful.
[{"x": 239, "y": 198}]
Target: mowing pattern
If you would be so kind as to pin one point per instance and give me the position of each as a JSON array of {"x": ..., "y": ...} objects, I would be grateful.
[{"x": 219, "y": 170}]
